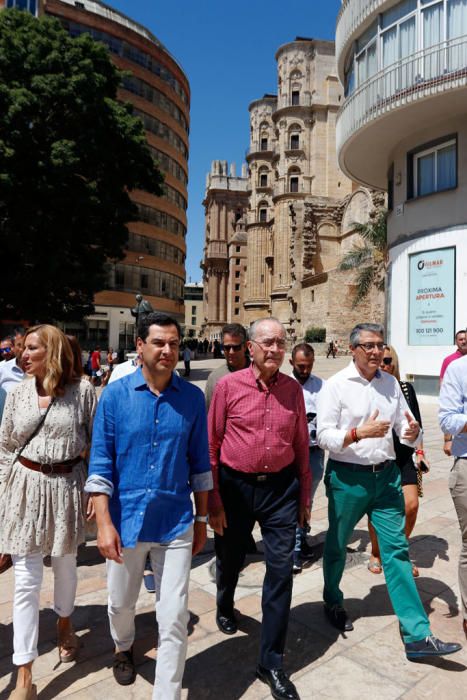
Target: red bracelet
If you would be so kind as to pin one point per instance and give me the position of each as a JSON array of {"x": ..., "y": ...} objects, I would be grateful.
[
  {"x": 354, "y": 435},
  {"x": 419, "y": 452}
]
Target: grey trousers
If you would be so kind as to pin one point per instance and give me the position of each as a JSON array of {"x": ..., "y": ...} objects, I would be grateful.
[
  {"x": 458, "y": 489},
  {"x": 171, "y": 566}
]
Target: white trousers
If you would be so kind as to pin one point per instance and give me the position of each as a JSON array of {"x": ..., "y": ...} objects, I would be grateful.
[
  {"x": 28, "y": 581},
  {"x": 171, "y": 566}
]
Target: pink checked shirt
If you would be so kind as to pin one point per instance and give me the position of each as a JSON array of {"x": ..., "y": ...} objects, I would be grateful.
[{"x": 258, "y": 430}]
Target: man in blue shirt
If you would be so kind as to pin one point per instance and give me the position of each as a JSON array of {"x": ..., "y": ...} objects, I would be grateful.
[
  {"x": 453, "y": 421},
  {"x": 149, "y": 454}
]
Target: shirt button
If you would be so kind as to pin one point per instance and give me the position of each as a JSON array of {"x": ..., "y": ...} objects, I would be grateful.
[
  {"x": 141, "y": 512},
  {"x": 152, "y": 466},
  {"x": 266, "y": 467},
  {"x": 157, "y": 421},
  {"x": 148, "y": 490},
  {"x": 268, "y": 448},
  {"x": 154, "y": 444}
]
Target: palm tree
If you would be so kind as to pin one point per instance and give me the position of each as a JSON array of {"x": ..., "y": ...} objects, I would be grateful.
[{"x": 370, "y": 257}]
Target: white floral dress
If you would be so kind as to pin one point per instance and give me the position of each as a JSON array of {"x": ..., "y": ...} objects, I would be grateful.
[{"x": 41, "y": 512}]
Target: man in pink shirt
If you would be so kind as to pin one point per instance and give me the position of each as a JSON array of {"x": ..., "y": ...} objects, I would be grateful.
[
  {"x": 258, "y": 444},
  {"x": 461, "y": 342}
]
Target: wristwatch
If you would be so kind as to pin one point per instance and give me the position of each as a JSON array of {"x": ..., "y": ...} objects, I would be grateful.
[{"x": 202, "y": 519}]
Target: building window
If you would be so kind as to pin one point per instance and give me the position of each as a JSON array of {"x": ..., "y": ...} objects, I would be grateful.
[
  {"x": 294, "y": 141},
  {"x": 237, "y": 287},
  {"x": 263, "y": 213},
  {"x": 312, "y": 295},
  {"x": 119, "y": 278},
  {"x": 263, "y": 180},
  {"x": 293, "y": 184},
  {"x": 237, "y": 248},
  {"x": 432, "y": 168},
  {"x": 144, "y": 281},
  {"x": 264, "y": 144},
  {"x": 193, "y": 320},
  {"x": 237, "y": 274},
  {"x": 29, "y": 5},
  {"x": 237, "y": 261},
  {"x": 237, "y": 299},
  {"x": 295, "y": 97},
  {"x": 193, "y": 310},
  {"x": 237, "y": 311}
]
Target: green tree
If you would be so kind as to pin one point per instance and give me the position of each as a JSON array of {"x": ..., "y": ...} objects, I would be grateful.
[
  {"x": 369, "y": 258},
  {"x": 69, "y": 155}
]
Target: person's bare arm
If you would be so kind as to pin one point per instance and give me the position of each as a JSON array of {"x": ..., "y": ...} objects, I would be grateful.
[{"x": 108, "y": 539}]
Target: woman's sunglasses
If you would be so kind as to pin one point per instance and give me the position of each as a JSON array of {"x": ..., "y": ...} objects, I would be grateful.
[{"x": 387, "y": 360}]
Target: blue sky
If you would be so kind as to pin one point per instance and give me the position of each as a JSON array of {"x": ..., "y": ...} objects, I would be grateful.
[{"x": 227, "y": 51}]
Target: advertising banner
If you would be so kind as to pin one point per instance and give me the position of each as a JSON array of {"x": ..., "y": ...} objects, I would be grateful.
[{"x": 432, "y": 296}]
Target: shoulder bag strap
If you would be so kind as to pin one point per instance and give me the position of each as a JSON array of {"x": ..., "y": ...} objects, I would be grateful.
[{"x": 36, "y": 429}]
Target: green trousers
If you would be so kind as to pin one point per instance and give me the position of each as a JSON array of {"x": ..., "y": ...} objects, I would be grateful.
[{"x": 351, "y": 495}]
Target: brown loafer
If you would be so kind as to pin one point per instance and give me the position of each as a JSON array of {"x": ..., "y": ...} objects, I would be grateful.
[{"x": 68, "y": 645}]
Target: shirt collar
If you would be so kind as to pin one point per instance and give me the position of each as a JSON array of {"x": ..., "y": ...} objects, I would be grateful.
[
  {"x": 275, "y": 378},
  {"x": 137, "y": 380},
  {"x": 353, "y": 373}
]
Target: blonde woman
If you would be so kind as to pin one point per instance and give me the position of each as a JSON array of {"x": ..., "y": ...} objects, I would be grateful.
[
  {"x": 45, "y": 430},
  {"x": 405, "y": 462}
]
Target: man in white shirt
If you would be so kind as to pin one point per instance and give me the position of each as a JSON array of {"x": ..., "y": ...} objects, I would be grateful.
[
  {"x": 11, "y": 371},
  {"x": 303, "y": 357},
  {"x": 357, "y": 410},
  {"x": 453, "y": 420}
]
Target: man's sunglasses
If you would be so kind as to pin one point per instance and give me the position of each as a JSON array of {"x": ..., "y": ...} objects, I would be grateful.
[
  {"x": 235, "y": 348},
  {"x": 387, "y": 360},
  {"x": 5, "y": 349}
]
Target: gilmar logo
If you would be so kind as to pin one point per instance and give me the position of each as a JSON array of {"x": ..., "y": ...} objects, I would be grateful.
[{"x": 429, "y": 263}]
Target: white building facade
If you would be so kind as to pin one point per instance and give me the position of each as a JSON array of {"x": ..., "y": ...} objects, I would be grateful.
[{"x": 402, "y": 127}]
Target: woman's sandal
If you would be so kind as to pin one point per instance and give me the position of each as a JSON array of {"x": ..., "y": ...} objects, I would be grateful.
[
  {"x": 23, "y": 693},
  {"x": 375, "y": 567},
  {"x": 68, "y": 645}
]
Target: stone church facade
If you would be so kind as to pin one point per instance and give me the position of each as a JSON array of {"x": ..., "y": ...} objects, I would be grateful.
[{"x": 275, "y": 235}]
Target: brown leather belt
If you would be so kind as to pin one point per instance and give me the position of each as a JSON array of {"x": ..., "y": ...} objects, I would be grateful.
[{"x": 49, "y": 469}]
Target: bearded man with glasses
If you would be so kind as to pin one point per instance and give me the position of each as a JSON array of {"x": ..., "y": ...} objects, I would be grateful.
[
  {"x": 234, "y": 339},
  {"x": 258, "y": 444},
  {"x": 357, "y": 410}
]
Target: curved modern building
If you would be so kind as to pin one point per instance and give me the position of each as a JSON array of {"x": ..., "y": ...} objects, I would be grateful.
[
  {"x": 154, "y": 264},
  {"x": 402, "y": 127}
]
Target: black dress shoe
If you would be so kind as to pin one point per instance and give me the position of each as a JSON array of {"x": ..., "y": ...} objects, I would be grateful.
[
  {"x": 226, "y": 623},
  {"x": 124, "y": 668},
  {"x": 338, "y": 617},
  {"x": 430, "y": 646},
  {"x": 281, "y": 687}
]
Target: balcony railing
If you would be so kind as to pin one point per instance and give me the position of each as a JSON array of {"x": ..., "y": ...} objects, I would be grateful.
[
  {"x": 438, "y": 69},
  {"x": 351, "y": 15}
]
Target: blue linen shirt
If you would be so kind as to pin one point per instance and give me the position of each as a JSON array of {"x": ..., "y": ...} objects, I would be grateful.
[
  {"x": 148, "y": 454},
  {"x": 453, "y": 405}
]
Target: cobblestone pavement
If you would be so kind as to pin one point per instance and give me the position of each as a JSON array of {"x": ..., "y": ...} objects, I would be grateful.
[{"x": 366, "y": 663}]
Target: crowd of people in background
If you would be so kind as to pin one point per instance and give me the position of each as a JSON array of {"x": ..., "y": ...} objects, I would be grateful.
[{"x": 249, "y": 451}]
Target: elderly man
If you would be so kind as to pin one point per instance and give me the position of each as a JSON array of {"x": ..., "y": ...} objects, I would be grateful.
[
  {"x": 453, "y": 420},
  {"x": 149, "y": 455},
  {"x": 357, "y": 410},
  {"x": 235, "y": 352},
  {"x": 258, "y": 443}
]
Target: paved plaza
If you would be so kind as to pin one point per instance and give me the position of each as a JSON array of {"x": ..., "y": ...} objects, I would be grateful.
[{"x": 366, "y": 663}]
